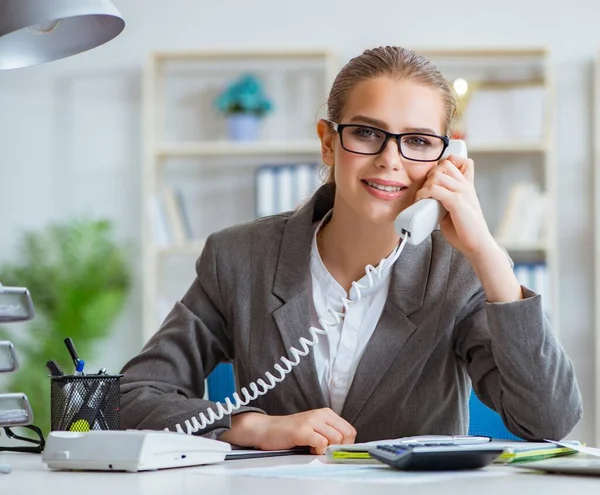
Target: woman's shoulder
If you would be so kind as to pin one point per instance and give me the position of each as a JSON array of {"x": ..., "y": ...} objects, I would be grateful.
[{"x": 266, "y": 230}]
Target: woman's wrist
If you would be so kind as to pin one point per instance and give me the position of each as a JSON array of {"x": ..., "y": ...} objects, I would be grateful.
[
  {"x": 244, "y": 429},
  {"x": 494, "y": 270}
]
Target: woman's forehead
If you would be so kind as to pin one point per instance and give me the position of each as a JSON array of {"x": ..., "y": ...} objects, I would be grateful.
[{"x": 397, "y": 103}]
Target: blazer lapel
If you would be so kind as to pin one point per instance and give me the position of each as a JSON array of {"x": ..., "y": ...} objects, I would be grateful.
[
  {"x": 292, "y": 320},
  {"x": 290, "y": 286},
  {"x": 405, "y": 296}
]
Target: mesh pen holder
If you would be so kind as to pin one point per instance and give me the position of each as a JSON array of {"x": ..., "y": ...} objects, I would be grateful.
[{"x": 86, "y": 402}]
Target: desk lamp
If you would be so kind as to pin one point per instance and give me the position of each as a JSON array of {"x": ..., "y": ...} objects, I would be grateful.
[
  {"x": 37, "y": 31},
  {"x": 34, "y": 32}
]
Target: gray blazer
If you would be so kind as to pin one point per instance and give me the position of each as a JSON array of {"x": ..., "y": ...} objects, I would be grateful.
[{"x": 437, "y": 335}]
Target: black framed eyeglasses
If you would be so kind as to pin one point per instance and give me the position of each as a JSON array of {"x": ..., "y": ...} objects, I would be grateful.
[
  {"x": 368, "y": 140},
  {"x": 17, "y": 433}
]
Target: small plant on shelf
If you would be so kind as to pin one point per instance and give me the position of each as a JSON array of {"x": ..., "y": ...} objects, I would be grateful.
[{"x": 244, "y": 103}]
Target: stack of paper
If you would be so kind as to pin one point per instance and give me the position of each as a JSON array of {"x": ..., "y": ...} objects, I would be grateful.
[{"x": 531, "y": 451}]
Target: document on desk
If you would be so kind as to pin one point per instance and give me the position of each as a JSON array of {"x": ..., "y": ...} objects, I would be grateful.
[
  {"x": 374, "y": 473},
  {"x": 579, "y": 448}
]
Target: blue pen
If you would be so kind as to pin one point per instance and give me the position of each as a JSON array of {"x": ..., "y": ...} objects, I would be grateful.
[{"x": 79, "y": 367}]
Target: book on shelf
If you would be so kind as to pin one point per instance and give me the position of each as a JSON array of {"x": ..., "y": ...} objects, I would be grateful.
[
  {"x": 535, "y": 276},
  {"x": 282, "y": 188},
  {"x": 169, "y": 218},
  {"x": 524, "y": 219},
  {"x": 158, "y": 221}
]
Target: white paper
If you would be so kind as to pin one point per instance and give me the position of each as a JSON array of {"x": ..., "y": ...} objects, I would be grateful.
[
  {"x": 579, "y": 448},
  {"x": 379, "y": 473}
]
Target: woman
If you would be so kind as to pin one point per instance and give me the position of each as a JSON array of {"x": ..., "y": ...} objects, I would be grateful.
[{"x": 400, "y": 357}]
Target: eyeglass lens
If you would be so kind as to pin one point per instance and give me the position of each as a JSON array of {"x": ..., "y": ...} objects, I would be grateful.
[{"x": 367, "y": 140}]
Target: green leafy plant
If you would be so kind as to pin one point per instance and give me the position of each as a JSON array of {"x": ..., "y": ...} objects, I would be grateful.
[
  {"x": 78, "y": 277},
  {"x": 244, "y": 95}
]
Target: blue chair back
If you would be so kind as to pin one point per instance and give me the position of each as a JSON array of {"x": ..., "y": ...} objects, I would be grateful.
[
  {"x": 221, "y": 382},
  {"x": 487, "y": 422}
]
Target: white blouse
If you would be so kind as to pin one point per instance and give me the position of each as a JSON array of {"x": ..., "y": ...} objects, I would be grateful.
[{"x": 338, "y": 353}]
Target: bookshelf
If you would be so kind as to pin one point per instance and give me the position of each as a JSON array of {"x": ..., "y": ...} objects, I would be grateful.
[
  {"x": 508, "y": 124},
  {"x": 185, "y": 147},
  {"x": 596, "y": 158}
]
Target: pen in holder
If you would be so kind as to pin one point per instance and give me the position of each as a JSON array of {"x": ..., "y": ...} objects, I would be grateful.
[{"x": 84, "y": 402}]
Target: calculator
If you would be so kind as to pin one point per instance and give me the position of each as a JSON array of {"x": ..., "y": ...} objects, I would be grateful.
[{"x": 435, "y": 458}]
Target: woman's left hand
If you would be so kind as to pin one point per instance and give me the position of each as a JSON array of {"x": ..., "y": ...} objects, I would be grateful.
[
  {"x": 465, "y": 228},
  {"x": 452, "y": 183}
]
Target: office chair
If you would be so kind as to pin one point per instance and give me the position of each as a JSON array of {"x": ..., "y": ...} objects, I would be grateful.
[
  {"x": 487, "y": 422},
  {"x": 221, "y": 382}
]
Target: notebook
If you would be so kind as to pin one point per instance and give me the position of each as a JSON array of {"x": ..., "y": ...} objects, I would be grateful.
[{"x": 518, "y": 451}]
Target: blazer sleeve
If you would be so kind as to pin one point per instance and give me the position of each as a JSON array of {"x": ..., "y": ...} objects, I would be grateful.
[
  {"x": 163, "y": 385},
  {"x": 518, "y": 367}
]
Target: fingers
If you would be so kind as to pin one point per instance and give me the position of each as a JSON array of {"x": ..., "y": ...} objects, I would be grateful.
[
  {"x": 330, "y": 434},
  {"x": 347, "y": 431},
  {"x": 438, "y": 192},
  {"x": 325, "y": 427},
  {"x": 448, "y": 176},
  {"x": 469, "y": 170},
  {"x": 309, "y": 437},
  {"x": 315, "y": 429},
  {"x": 457, "y": 163},
  {"x": 447, "y": 181}
]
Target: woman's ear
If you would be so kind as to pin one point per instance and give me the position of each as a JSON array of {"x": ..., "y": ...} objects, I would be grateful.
[{"x": 327, "y": 138}]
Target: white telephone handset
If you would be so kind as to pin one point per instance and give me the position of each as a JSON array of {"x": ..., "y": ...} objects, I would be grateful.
[{"x": 418, "y": 220}]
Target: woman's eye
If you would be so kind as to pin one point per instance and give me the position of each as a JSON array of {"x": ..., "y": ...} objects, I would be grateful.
[
  {"x": 416, "y": 141},
  {"x": 366, "y": 133}
]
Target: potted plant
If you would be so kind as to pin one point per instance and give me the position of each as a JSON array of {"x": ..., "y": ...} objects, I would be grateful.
[
  {"x": 78, "y": 277},
  {"x": 243, "y": 103}
]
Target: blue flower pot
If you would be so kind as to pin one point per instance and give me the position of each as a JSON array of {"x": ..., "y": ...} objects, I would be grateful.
[{"x": 243, "y": 127}]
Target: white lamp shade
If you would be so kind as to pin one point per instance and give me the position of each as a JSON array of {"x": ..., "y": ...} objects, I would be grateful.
[{"x": 37, "y": 31}]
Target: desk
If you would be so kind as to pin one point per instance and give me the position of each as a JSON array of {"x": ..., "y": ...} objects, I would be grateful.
[{"x": 31, "y": 476}]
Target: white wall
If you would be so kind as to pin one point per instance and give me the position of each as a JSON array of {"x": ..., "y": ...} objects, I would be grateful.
[{"x": 69, "y": 131}]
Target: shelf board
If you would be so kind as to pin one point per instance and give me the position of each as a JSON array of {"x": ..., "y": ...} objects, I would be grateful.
[
  {"x": 525, "y": 247},
  {"x": 516, "y": 146},
  {"x": 526, "y": 252},
  {"x": 310, "y": 146},
  {"x": 242, "y": 54},
  {"x": 187, "y": 248},
  {"x": 238, "y": 148}
]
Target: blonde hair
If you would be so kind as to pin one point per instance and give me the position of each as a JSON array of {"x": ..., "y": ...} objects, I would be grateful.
[{"x": 393, "y": 61}]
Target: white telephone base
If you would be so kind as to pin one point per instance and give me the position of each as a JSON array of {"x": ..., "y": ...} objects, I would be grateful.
[{"x": 130, "y": 450}]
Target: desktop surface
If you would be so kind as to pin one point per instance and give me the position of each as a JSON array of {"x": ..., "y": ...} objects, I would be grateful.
[{"x": 30, "y": 475}]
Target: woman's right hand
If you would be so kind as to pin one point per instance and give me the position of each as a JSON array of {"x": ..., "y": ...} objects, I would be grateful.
[{"x": 317, "y": 429}]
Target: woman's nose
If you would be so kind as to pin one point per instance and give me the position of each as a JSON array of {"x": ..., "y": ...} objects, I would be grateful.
[{"x": 390, "y": 156}]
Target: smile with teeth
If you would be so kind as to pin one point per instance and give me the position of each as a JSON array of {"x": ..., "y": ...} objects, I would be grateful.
[{"x": 384, "y": 188}]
